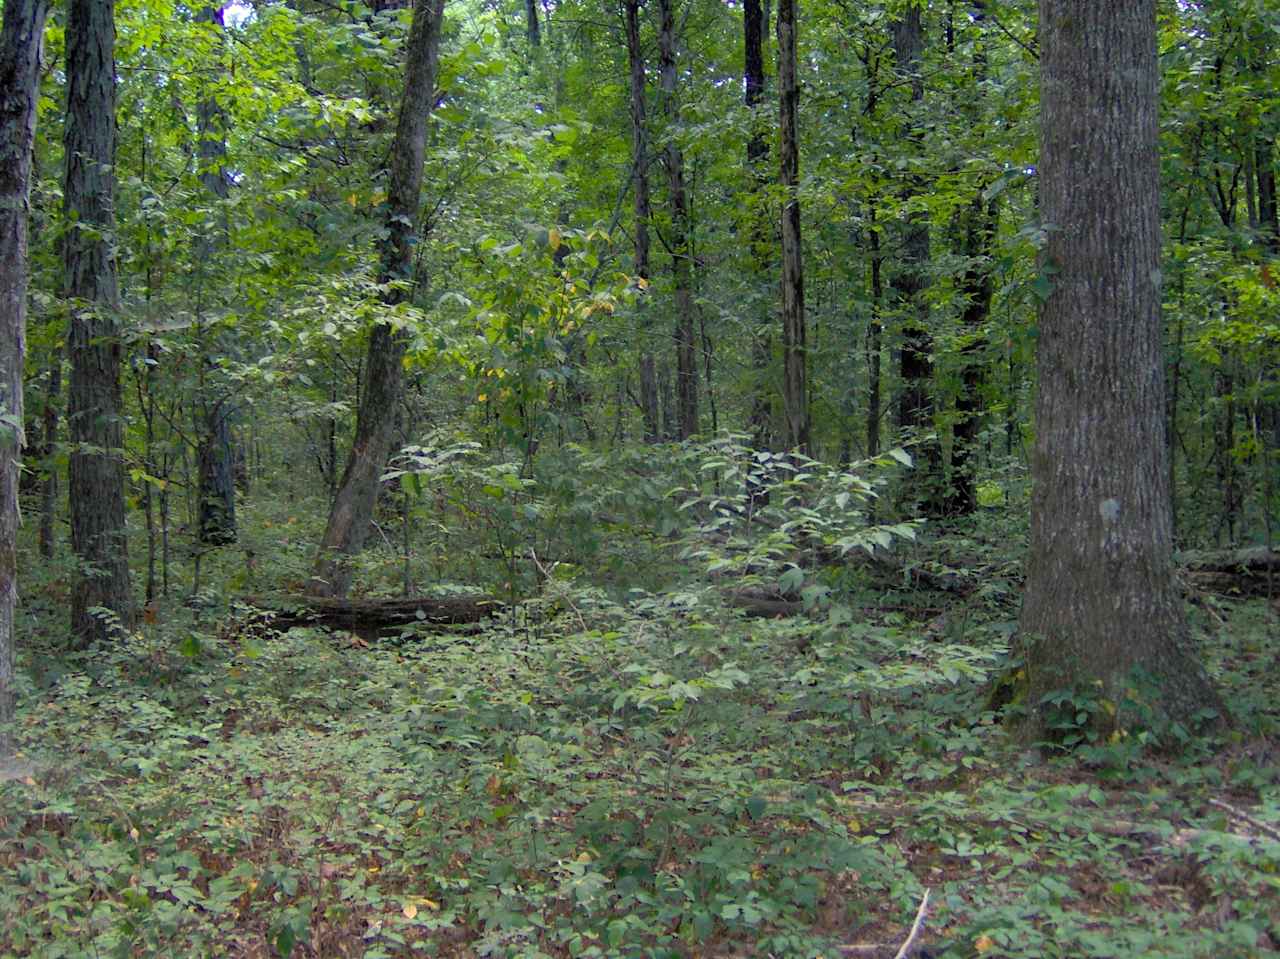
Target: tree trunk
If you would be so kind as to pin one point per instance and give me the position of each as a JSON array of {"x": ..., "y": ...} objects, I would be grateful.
[
  {"x": 49, "y": 469},
  {"x": 640, "y": 173},
  {"x": 217, "y": 507},
  {"x": 352, "y": 512},
  {"x": 908, "y": 280},
  {"x": 20, "y": 39},
  {"x": 216, "y": 499},
  {"x": 532, "y": 30},
  {"x": 678, "y": 244},
  {"x": 875, "y": 333},
  {"x": 94, "y": 408},
  {"x": 754, "y": 28},
  {"x": 1101, "y": 603},
  {"x": 795, "y": 394},
  {"x": 976, "y": 286}
]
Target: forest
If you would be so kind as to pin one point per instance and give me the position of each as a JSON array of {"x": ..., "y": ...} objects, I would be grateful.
[{"x": 639, "y": 478}]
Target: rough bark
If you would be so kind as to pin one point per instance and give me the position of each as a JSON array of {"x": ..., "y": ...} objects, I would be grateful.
[
  {"x": 678, "y": 241},
  {"x": 1101, "y": 603},
  {"x": 643, "y": 214},
  {"x": 352, "y": 512},
  {"x": 795, "y": 393},
  {"x": 94, "y": 403},
  {"x": 20, "y": 38}
]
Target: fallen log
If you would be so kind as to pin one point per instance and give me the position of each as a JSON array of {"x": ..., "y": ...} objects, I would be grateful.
[
  {"x": 763, "y": 603},
  {"x": 1253, "y": 571},
  {"x": 371, "y": 615}
]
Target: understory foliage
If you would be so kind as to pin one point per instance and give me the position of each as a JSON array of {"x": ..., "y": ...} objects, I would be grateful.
[{"x": 623, "y": 764}]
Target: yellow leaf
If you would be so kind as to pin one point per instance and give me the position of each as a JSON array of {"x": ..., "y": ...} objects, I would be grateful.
[
  {"x": 409, "y": 910},
  {"x": 351, "y": 201},
  {"x": 984, "y": 943},
  {"x": 584, "y": 857},
  {"x": 430, "y": 904},
  {"x": 481, "y": 397},
  {"x": 553, "y": 239}
]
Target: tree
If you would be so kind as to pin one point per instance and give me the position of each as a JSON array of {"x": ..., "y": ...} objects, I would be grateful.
[
  {"x": 352, "y": 511},
  {"x": 678, "y": 239},
  {"x": 640, "y": 175},
  {"x": 1101, "y": 603},
  {"x": 795, "y": 390},
  {"x": 20, "y": 38},
  {"x": 754, "y": 28},
  {"x": 915, "y": 360},
  {"x": 95, "y": 409}
]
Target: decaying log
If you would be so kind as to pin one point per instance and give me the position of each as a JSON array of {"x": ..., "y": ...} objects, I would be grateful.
[
  {"x": 370, "y": 615},
  {"x": 763, "y": 603},
  {"x": 1248, "y": 572}
]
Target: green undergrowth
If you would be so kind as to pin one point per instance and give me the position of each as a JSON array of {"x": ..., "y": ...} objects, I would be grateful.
[{"x": 658, "y": 776}]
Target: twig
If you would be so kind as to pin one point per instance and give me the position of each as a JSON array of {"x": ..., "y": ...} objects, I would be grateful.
[
  {"x": 908, "y": 948},
  {"x": 1265, "y": 828}
]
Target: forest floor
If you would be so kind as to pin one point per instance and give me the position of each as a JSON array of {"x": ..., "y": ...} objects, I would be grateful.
[{"x": 653, "y": 775}]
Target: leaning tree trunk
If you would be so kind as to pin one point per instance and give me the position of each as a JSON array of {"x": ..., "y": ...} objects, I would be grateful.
[
  {"x": 94, "y": 402},
  {"x": 681, "y": 267},
  {"x": 19, "y": 74},
  {"x": 352, "y": 512},
  {"x": 640, "y": 171},
  {"x": 1102, "y": 615},
  {"x": 795, "y": 393}
]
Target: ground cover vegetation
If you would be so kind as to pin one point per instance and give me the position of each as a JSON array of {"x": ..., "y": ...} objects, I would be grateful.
[{"x": 639, "y": 479}]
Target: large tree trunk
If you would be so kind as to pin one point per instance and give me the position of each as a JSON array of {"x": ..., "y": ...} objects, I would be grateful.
[
  {"x": 1100, "y": 602},
  {"x": 640, "y": 172},
  {"x": 678, "y": 243},
  {"x": 352, "y": 512},
  {"x": 795, "y": 393},
  {"x": 94, "y": 410},
  {"x": 20, "y": 39}
]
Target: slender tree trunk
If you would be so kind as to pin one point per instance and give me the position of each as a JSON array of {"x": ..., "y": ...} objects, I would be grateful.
[
  {"x": 1268, "y": 218},
  {"x": 643, "y": 215},
  {"x": 976, "y": 286},
  {"x": 795, "y": 394},
  {"x": 681, "y": 268},
  {"x": 216, "y": 477},
  {"x": 49, "y": 468},
  {"x": 20, "y": 40},
  {"x": 352, "y": 512},
  {"x": 760, "y": 255},
  {"x": 94, "y": 410},
  {"x": 1101, "y": 603},
  {"x": 875, "y": 334},
  {"x": 532, "y": 31},
  {"x": 909, "y": 281}
]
